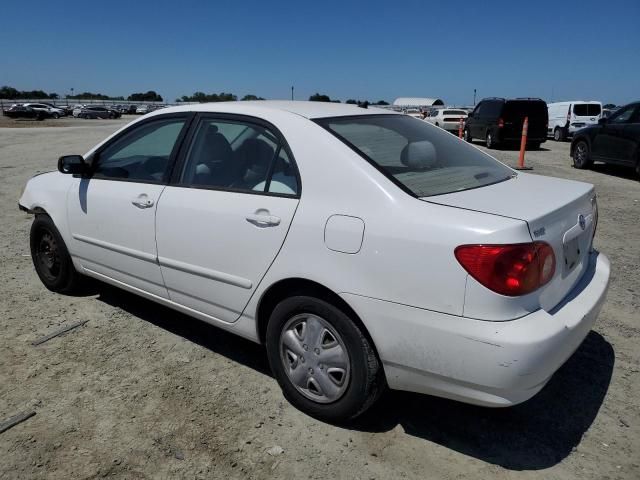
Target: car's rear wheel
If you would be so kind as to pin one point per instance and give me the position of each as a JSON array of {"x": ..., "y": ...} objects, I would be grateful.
[
  {"x": 559, "y": 135},
  {"x": 322, "y": 360},
  {"x": 467, "y": 135},
  {"x": 489, "y": 140},
  {"x": 56, "y": 115},
  {"x": 50, "y": 256},
  {"x": 582, "y": 155}
]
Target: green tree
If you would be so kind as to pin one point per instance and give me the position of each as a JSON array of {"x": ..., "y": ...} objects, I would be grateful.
[
  {"x": 351, "y": 101},
  {"x": 381, "y": 102},
  {"x": 209, "y": 97},
  {"x": 319, "y": 98},
  {"x": 150, "y": 96},
  {"x": 251, "y": 97}
]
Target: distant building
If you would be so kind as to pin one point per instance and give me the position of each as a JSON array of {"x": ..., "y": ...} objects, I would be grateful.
[{"x": 417, "y": 102}]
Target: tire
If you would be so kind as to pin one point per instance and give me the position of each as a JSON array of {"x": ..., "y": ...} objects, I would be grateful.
[
  {"x": 582, "y": 155},
  {"x": 56, "y": 116},
  {"x": 559, "y": 134},
  {"x": 51, "y": 258},
  {"x": 356, "y": 380},
  {"x": 437, "y": 124},
  {"x": 112, "y": 116},
  {"x": 467, "y": 135},
  {"x": 489, "y": 140}
]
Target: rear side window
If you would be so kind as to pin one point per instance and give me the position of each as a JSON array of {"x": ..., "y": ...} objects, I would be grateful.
[
  {"x": 239, "y": 156},
  {"x": 587, "y": 110},
  {"x": 525, "y": 108},
  {"x": 491, "y": 109},
  {"x": 422, "y": 160}
]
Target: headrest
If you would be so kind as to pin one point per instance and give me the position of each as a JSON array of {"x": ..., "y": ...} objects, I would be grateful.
[{"x": 419, "y": 155}]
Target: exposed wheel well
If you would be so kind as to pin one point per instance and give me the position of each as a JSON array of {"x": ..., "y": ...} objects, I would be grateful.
[{"x": 301, "y": 286}]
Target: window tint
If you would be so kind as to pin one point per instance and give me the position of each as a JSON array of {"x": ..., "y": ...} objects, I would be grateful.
[
  {"x": 142, "y": 154},
  {"x": 238, "y": 156},
  {"x": 534, "y": 109},
  {"x": 587, "y": 109},
  {"x": 426, "y": 161},
  {"x": 492, "y": 109},
  {"x": 623, "y": 115},
  {"x": 454, "y": 112}
]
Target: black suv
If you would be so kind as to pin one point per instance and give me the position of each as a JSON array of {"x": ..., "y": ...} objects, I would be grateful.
[
  {"x": 614, "y": 140},
  {"x": 499, "y": 121}
]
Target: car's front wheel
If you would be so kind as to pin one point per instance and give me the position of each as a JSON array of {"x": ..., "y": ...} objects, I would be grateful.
[
  {"x": 50, "y": 256},
  {"x": 322, "y": 360},
  {"x": 467, "y": 135},
  {"x": 559, "y": 135},
  {"x": 582, "y": 155}
]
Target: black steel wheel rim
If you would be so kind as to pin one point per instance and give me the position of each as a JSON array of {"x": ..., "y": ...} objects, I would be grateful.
[{"x": 48, "y": 255}]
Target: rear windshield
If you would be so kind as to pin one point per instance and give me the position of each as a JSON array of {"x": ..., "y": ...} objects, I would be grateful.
[
  {"x": 587, "y": 109},
  {"x": 454, "y": 112},
  {"x": 525, "y": 108},
  {"x": 420, "y": 158}
]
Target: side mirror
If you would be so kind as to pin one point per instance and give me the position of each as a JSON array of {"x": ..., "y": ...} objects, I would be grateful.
[
  {"x": 73, "y": 164},
  {"x": 602, "y": 121}
]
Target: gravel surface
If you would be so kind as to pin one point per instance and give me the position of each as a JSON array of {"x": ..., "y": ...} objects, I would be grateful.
[{"x": 141, "y": 391}]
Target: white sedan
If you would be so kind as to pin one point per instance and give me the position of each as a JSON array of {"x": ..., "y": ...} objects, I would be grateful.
[
  {"x": 364, "y": 248},
  {"x": 447, "y": 118}
]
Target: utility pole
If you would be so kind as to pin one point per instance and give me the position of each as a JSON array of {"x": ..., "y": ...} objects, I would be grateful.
[
  {"x": 474, "y": 97},
  {"x": 291, "y": 92}
]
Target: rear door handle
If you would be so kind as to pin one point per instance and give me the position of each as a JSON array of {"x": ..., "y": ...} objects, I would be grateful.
[
  {"x": 142, "y": 201},
  {"x": 261, "y": 220}
]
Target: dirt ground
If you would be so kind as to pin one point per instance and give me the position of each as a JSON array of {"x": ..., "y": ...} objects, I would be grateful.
[{"x": 143, "y": 392}]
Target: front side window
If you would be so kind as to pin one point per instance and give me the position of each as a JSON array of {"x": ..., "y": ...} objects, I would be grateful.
[
  {"x": 235, "y": 155},
  {"x": 423, "y": 160},
  {"x": 142, "y": 154},
  {"x": 623, "y": 115}
]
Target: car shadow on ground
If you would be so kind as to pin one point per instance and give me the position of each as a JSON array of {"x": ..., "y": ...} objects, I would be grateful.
[
  {"x": 509, "y": 147},
  {"x": 615, "y": 170},
  {"x": 532, "y": 436}
]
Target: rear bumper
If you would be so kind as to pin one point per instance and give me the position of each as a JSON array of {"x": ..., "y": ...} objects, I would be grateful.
[{"x": 495, "y": 364}]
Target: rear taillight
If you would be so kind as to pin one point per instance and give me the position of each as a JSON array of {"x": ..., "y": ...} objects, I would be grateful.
[
  {"x": 511, "y": 270},
  {"x": 500, "y": 123}
]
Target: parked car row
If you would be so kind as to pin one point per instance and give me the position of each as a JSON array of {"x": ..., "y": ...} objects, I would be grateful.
[
  {"x": 38, "y": 111},
  {"x": 95, "y": 111},
  {"x": 610, "y": 136}
]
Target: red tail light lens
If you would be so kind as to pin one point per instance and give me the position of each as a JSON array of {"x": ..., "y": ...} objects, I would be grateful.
[
  {"x": 500, "y": 123},
  {"x": 510, "y": 270}
]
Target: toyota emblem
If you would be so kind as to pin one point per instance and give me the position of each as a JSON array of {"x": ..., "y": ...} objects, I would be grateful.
[{"x": 582, "y": 222}]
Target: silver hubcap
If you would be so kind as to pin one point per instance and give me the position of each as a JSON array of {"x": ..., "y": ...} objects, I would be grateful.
[
  {"x": 489, "y": 140},
  {"x": 315, "y": 358}
]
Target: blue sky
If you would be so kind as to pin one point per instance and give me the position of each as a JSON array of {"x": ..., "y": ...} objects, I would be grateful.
[{"x": 365, "y": 50}]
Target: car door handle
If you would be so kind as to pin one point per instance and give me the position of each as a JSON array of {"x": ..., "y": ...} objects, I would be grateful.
[
  {"x": 142, "y": 201},
  {"x": 262, "y": 220}
]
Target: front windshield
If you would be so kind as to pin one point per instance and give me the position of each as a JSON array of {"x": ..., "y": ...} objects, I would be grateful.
[{"x": 422, "y": 159}]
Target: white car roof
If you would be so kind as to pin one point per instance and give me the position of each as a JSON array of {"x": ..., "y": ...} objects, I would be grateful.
[{"x": 305, "y": 109}]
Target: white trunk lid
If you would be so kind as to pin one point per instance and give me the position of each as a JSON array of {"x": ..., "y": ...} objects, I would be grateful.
[{"x": 559, "y": 212}]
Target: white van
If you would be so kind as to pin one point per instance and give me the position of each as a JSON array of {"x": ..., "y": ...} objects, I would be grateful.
[{"x": 566, "y": 118}]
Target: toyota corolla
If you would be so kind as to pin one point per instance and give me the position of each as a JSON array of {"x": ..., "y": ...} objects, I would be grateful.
[{"x": 366, "y": 249}]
